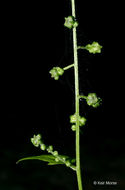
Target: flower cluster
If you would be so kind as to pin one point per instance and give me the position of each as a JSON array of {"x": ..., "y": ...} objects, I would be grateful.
[
  {"x": 93, "y": 48},
  {"x": 70, "y": 22},
  {"x": 37, "y": 142},
  {"x": 93, "y": 100},
  {"x": 82, "y": 121},
  {"x": 56, "y": 72}
]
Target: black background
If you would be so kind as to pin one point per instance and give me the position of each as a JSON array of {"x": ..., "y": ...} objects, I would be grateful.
[{"x": 34, "y": 40}]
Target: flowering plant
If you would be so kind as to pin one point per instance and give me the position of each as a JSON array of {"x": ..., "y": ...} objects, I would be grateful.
[{"x": 53, "y": 157}]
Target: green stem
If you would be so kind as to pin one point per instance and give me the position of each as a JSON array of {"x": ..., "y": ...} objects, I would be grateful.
[
  {"x": 82, "y": 96},
  {"x": 61, "y": 159},
  {"x": 81, "y": 47},
  {"x": 78, "y": 169},
  {"x": 68, "y": 67}
]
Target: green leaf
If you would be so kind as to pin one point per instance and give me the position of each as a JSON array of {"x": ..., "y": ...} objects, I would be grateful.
[
  {"x": 50, "y": 159},
  {"x": 54, "y": 163},
  {"x": 46, "y": 158}
]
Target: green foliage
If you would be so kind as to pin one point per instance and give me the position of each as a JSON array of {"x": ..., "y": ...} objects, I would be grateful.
[
  {"x": 52, "y": 160},
  {"x": 46, "y": 158}
]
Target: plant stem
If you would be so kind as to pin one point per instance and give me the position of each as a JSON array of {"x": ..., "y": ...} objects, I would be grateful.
[
  {"x": 68, "y": 67},
  {"x": 78, "y": 169}
]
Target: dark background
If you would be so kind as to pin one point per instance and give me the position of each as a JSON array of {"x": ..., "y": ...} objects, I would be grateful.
[{"x": 34, "y": 40}]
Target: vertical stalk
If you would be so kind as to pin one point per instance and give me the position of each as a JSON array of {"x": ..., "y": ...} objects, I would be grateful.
[{"x": 78, "y": 170}]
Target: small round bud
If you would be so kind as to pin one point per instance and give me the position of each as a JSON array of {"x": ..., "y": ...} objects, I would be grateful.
[
  {"x": 75, "y": 24},
  {"x": 56, "y": 77},
  {"x": 73, "y": 128},
  {"x": 82, "y": 121},
  {"x": 54, "y": 73},
  {"x": 64, "y": 159},
  {"x": 60, "y": 71},
  {"x": 43, "y": 147},
  {"x": 68, "y": 163},
  {"x": 73, "y": 118},
  {"x": 50, "y": 148},
  {"x": 57, "y": 159},
  {"x": 55, "y": 153}
]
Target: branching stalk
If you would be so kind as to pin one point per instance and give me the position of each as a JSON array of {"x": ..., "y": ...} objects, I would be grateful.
[
  {"x": 68, "y": 67},
  {"x": 77, "y": 121}
]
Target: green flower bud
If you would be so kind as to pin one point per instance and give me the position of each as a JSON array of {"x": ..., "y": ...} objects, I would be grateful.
[
  {"x": 73, "y": 128},
  {"x": 43, "y": 147},
  {"x": 73, "y": 118},
  {"x": 57, "y": 159},
  {"x": 93, "y": 48},
  {"x": 82, "y": 121},
  {"x": 75, "y": 24},
  {"x": 64, "y": 159},
  {"x": 68, "y": 163},
  {"x": 70, "y": 22},
  {"x": 50, "y": 148},
  {"x": 92, "y": 100},
  {"x": 55, "y": 153},
  {"x": 60, "y": 71},
  {"x": 36, "y": 140},
  {"x": 56, "y": 72},
  {"x": 56, "y": 77}
]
